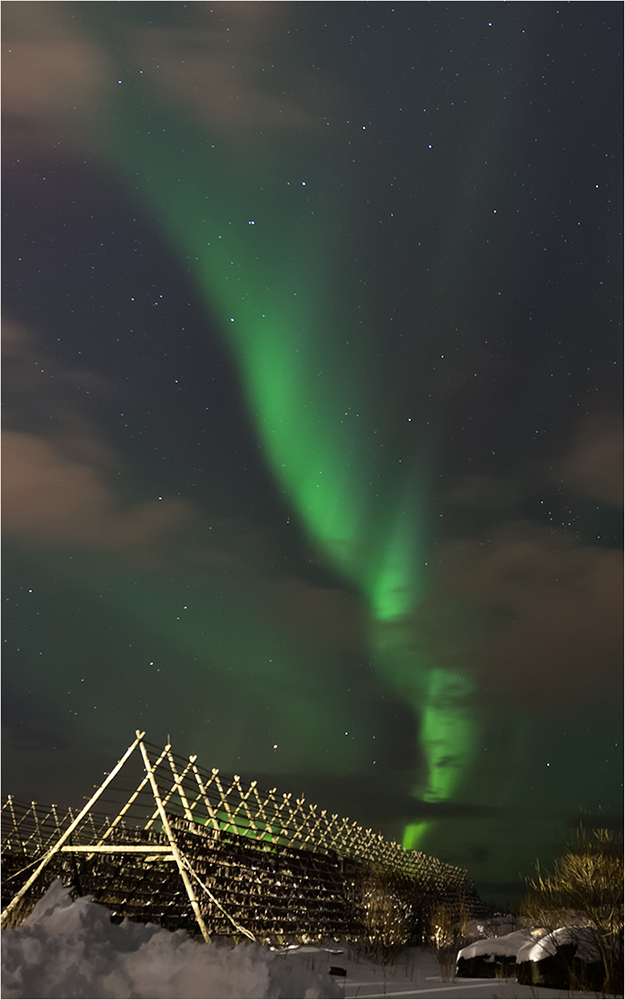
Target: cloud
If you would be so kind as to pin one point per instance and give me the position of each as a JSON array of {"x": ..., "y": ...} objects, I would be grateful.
[
  {"x": 488, "y": 493},
  {"x": 372, "y": 800},
  {"x": 594, "y": 462},
  {"x": 222, "y": 72},
  {"x": 52, "y": 499},
  {"x": 43, "y": 76},
  {"x": 531, "y": 608},
  {"x": 539, "y": 617},
  {"x": 325, "y": 616},
  {"x": 51, "y": 72},
  {"x": 47, "y": 397},
  {"x": 58, "y": 483},
  {"x": 65, "y": 486},
  {"x": 219, "y": 70},
  {"x": 29, "y": 725}
]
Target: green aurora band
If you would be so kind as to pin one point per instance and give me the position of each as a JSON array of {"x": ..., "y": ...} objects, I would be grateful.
[{"x": 252, "y": 229}]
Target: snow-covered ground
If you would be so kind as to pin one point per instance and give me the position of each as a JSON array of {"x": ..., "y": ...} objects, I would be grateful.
[
  {"x": 416, "y": 974},
  {"x": 68, "y": 949}
]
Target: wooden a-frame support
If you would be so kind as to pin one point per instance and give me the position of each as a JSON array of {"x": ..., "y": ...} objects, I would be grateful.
[{"x": 168, "y": 853}]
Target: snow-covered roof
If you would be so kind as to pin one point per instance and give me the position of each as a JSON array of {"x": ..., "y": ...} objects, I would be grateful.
[
  {"x": 507, "y": 946},
  {"x": 535, "y": 945},
  {"x": 583, "y": 937}
]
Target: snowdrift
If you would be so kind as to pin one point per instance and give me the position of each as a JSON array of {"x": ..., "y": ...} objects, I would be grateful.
[
  {"x": 537, "y": 957},
  {"x": 67, "y": 948}
]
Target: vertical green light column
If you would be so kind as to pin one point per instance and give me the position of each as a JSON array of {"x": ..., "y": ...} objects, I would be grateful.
[{"x": 258, "y": 243}]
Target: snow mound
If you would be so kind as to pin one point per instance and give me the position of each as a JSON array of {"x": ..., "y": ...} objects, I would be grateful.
[
  {"x": 506, "y": 946},
  {"x": 583, "y": 937},
  {"x": 533, "y": 946},
  {"x": 71, "y": 949}
]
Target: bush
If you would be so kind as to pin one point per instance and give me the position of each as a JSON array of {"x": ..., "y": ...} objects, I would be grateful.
[
  {"x": 387, "y": 912},
  {"x": 448, "y": 931},
  {"x": 585, "y": 890}
]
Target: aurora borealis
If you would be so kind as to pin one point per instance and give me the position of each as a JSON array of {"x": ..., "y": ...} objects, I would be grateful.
[{"x": 313, "y": 407}]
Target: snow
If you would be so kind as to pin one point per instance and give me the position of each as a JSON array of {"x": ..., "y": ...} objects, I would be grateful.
[
  {"x": 416, "y": 973},
  {"x": 67, "y": 949},
  {"x": 506, "y": 946},
  {"x": 583, "y": 937},
  {"x": 533, "y": 946}
]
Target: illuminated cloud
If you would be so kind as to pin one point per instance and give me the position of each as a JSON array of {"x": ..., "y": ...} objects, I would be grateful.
[
  {"x": 218, "y": 70},
  {"x": 543, "y": 614},
  {"x": 51, "y": 73},
  {"x": 594, "y": 463},
  {"x": 58, "y": 485},
  {"x": 52, "y": 499}
]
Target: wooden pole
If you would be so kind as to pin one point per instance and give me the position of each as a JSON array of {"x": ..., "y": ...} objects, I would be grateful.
[
  {"x": 178, "y": 779},
  {"x": 83, "y": 812},
  {"x": 170, "y": 836},
  {"x": 120, "y": 849},
  {"x": 167, "y": 752},
  {"x": 15, "y": 824},
  {"x": 211, "y": 814},
  {"x": 130, "y": 801}
]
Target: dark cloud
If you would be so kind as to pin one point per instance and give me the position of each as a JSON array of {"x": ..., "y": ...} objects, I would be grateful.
[
  {"x": 485, "y": 492},
  {"x": 534, "y": 608},
  {"x": 597, "y": 821},
  {"x": 536, "y": 615},
  {"x": 63, "y": 487},
  {"x": 324, "y": 616},
  {"x": 375, "y": 802},
  {"x": 28, "y": 725}
]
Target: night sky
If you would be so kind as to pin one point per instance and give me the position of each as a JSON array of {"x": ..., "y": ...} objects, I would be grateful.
[{"x": 312, "y": 380}]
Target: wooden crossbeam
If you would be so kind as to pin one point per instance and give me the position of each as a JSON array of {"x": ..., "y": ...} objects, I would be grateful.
[
  {"x": 244, "y": 797},
  {"x": 212, "y": 817},
  {"x": 178, "y": 779},
  {"x": 266, "y": 823},
  {"x": 119, "y": 849},
  {"x": 172, "y": 840},
  {"x": 144, "y": 781},
  {"x": 15, "y": 823},
  {"x": 65, "y": 836},
  {"x": 165, "y": 799},
  {"x": 192, "y": 798},
  {"x": 224, "y": 804}
]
